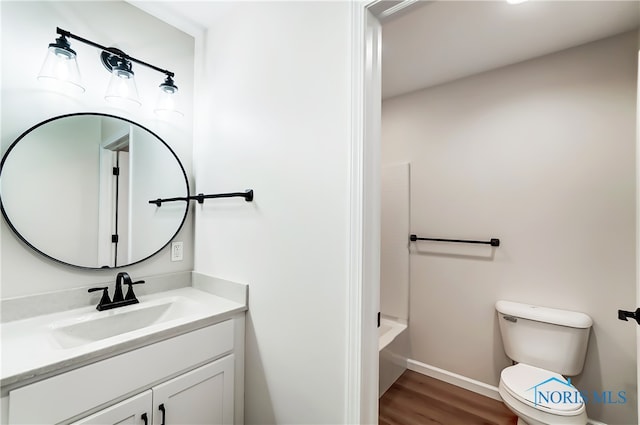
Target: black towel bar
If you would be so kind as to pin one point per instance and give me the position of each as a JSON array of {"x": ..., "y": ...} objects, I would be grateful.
[
  {"x": 200, "y": 197},
  {"x": 492, "y": 242}
]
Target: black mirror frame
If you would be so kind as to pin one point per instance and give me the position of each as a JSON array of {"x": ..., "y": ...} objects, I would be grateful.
[{"x": 27, "y": 243}]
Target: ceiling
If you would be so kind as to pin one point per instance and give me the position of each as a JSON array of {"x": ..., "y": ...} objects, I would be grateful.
[
  {"x": 439, "y": 41},
  {"x": 433, "y": 42}
]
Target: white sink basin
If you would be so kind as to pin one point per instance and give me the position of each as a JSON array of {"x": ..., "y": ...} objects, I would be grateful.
[
  {"x": 41, "y": 344},
  {"x": 96, "y": 326}
]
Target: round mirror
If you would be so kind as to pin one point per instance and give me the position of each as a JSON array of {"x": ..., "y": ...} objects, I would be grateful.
[{"x": 76, "y": 188}]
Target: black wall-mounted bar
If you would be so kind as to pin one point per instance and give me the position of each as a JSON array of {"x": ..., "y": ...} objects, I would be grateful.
[
  {"x": 492, "y": 242},
  {"x": 200, "y": 197}
]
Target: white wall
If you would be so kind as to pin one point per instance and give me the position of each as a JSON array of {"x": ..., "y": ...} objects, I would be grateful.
[
  {"x": 27, "y": 29},
  {"x": 541, "y": 155},
  {"x": 278, "y": 121}
]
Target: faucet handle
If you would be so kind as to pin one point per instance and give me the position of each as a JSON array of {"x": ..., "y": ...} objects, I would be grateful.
[
  {"x": 130, "y": 295},
  {"x": 105, "y": 296}
]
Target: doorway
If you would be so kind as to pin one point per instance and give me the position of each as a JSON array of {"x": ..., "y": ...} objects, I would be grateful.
[{"x": 512, "y": 283}]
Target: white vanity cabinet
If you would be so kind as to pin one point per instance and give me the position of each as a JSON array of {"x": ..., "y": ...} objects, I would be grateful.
[
  {"x": 192, "y": 378},
  {"x": 202, "y": 396}
]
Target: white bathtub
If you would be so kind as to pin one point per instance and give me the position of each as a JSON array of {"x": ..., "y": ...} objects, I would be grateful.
[
  {"x": 388, "y": 331},
  {"x": 393, "y": 346}
]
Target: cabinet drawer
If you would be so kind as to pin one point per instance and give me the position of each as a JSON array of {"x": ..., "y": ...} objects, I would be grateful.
[
  {"x": 135, "y": 410},
  {"x": 66, "y": 395}
]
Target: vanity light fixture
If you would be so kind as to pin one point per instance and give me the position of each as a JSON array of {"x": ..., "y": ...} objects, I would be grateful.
[
  {"x": 167, "y": 99},
  {"x": 61, "y": 65},
  {"x": 516, "y": 1},
  {"x": 122, "y": 86}
]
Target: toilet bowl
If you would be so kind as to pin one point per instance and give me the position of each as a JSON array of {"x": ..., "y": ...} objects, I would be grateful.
[
  {"x": 555, "y": 401},
  {"x": 546, "y": 343}
]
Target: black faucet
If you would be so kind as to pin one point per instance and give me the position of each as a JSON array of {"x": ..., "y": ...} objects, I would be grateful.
[
  {"x": 118, "y": 299},
  {"x": 121, "y": 278}
]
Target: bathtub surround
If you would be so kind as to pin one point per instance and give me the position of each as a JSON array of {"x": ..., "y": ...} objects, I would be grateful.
[
  {"x": 27, "y": 28},
  {"x": 540, "y": 154},
  {"x": 394, "y": 247},
  {"x": 394, "y": 273}
]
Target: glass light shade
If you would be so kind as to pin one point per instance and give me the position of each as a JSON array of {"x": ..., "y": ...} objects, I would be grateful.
[
  {"x": 122, "y": 88},
  {"x": 167, "y": 105},
  {"x": 61, "y": 68}
]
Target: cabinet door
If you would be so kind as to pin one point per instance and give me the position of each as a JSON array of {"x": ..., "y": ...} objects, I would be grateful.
[
  {"x": 202, "y": 396},
  {"x": 132, "y": 411}
]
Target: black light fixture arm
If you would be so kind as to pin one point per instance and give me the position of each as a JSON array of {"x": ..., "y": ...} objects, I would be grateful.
[
  {"x": 113, "y": 51},
  {"x": 200, "y": 197}
]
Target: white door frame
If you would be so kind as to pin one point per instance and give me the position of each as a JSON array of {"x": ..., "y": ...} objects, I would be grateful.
[
  {"x": 364, "y": 253},
  {"x": 638, "y": 228},
  {"x": 364, "y": 279}
]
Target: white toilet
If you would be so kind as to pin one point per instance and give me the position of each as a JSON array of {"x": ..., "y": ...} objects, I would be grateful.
[{"x": 546, "y": 343}]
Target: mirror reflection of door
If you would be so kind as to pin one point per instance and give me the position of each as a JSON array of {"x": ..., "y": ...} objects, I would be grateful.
[{"x": 114, "y": 241}]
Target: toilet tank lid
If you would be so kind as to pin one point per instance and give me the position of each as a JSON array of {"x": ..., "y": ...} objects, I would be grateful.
[{"x": 573, "y": 319}]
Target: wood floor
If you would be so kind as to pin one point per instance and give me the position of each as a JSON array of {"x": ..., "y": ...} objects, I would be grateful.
[{"x": 416, "y": 399}]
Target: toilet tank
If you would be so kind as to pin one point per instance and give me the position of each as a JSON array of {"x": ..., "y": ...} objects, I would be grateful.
[{"x": 548, "y": 338}]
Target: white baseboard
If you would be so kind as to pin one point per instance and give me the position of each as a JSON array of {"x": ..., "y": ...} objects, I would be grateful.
[
  {"x": 463, "y": 382},
  {"x": 455, "y": 379}
]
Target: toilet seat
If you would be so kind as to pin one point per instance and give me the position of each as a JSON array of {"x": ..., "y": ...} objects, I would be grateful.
[{"x": 525, "y": 383}]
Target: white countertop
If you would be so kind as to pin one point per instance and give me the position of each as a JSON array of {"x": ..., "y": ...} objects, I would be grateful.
[{"x": 31, "y": 352}]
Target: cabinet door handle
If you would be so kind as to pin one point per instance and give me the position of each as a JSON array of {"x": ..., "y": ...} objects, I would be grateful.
[
  {"x": 144, "y": 418},
  {"x": 161, "y": 408}
]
